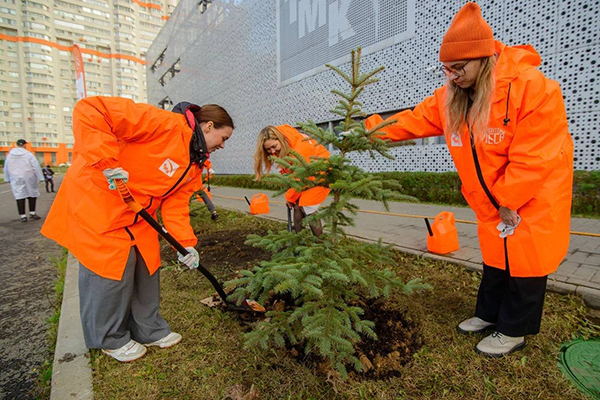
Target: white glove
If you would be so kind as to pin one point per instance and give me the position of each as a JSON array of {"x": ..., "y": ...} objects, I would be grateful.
[
  {"x": 507, "y": 230},
  {"x": 211, "y": 171},
  {"x": 115, "y": 173},
  {"x": 192, "y": 259}
]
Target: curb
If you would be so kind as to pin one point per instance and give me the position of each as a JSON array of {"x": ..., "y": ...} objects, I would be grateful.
[
  {"x": 590, "y": 296},
  {"x": 71, "y": 370}
]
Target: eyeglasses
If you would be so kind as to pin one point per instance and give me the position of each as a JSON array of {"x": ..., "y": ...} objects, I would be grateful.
[{"x": 456, "y": 72}]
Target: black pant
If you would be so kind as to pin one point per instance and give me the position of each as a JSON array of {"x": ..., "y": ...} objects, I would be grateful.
[
  {"x": 51, "y": 182},
  {"x": 514, "y": 304},
  {"x": 21, "y": 205}
]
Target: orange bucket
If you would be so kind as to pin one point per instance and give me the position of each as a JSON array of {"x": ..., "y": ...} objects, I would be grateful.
[
  {"x": 442, "y": 236},
  {"x": 259, "y": 204}
]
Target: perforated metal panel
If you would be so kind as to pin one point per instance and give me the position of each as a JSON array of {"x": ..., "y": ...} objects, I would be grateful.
[{"x": 229, "y": 56}]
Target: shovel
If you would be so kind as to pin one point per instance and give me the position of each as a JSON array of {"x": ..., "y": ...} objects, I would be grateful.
[{"x": 247, "y": 305}]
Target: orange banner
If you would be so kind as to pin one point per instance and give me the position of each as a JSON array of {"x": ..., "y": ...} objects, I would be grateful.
[
  {"x": 148, "y": 5},
  {"x": 70, "y": 48}
]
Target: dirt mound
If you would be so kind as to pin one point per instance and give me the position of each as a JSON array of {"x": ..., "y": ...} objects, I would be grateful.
[{"x": 398, "y": 338}]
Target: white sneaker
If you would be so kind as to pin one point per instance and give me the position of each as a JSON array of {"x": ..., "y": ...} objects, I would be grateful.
[
  {"x": 497, "y": 344},
  {"x": 170, "y": 340},
  {"x": 474, "y": 325},
  {"x": 129, "y": 352}
]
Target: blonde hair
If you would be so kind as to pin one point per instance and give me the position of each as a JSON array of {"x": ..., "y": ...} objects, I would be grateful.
[
  {"x": 262, "y": 160},
  {"x": 477, "y": 117}
]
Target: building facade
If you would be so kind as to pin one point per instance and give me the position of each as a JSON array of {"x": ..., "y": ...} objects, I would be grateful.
[
  {"x": 37, "y": 69},
  {"x": 262, "y": 60}
]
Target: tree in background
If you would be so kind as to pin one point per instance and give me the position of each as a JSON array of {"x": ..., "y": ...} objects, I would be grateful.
[{"x": 324, "y": 276}]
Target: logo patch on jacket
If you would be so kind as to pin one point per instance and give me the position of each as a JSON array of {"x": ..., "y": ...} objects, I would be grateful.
[
  {"x": 169, "y": 167},
  {"x": 455, "y": 140},
  {"x": 493, "y": 136}
]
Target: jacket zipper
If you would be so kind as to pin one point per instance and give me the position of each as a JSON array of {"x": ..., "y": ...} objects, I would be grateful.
[
  {"x": 178, "y": 180},
  {"x": 152, "y": 199},
  {"x": 486, "y": 190},
  {"x": 480, "y": 174}
]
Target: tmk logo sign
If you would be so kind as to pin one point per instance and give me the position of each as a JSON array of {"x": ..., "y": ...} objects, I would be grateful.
[
  {"x": 311, "y": 14},
  {"x": 311, "y": 33}
]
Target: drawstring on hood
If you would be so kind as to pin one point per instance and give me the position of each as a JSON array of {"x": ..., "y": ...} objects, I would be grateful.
[
  {"x": 198, "y": 150},
  {"x": 512, "y": 61},
  {"x": 506, "y": 119}
]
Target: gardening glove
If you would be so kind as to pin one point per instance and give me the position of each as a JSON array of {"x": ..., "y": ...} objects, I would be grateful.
[
  {"x": 115, "y": 173},
  {"x": 507, "y": 230},
  {"x": 192, "y": 259}
]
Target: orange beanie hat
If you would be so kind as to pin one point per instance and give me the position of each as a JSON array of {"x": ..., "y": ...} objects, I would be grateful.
[{"x": 469, "y": 36}]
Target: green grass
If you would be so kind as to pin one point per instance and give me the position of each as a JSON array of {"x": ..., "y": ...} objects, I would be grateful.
[
  {"x": 211, "y": 359},
  {"x": 45, "y": 373}
]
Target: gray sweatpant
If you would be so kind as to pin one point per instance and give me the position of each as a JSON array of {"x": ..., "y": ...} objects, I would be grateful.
[
  {"x": 113, "y": 312},
  {"x": 207, "y": 201}
]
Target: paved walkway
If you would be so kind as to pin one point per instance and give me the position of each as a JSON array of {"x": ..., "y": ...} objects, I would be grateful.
[{"x": 579, "y": 273}]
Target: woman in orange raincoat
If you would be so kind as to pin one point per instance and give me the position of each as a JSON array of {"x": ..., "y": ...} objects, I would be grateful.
[
  {"x": 277, "y": 141},
  {"x": 506, "y": 128},
  {"x": 159, "y": 153}
]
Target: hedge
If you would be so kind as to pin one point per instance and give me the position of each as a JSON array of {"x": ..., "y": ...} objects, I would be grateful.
[{"x": 444, "y": 188}]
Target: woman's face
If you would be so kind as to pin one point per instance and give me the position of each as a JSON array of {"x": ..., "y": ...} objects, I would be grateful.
[
  {"x": 215, "y": 137},
  {"x": 272, "y": 147},
  {"x": 463, "y": 73}
]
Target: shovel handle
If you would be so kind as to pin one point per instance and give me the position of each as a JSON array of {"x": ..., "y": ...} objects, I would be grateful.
[
  {"x": 127, "y": 196},
  {"x": 138, "y": 209}
]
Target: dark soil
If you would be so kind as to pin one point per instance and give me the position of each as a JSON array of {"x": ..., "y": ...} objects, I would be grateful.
[
  {"x": 224, "y": 253},
  {"x": 27, "y": 274},
  {"x": 398, "y": 338}
]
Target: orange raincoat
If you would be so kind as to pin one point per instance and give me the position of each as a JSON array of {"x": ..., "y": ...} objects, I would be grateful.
[
  {"x": 524, "y": 163},
  {"x": 91, "y": 220},
  {"x": 307, "y": 148}
]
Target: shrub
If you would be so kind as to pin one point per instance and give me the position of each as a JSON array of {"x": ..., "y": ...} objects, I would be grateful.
[{"x": 444, "y": 187}]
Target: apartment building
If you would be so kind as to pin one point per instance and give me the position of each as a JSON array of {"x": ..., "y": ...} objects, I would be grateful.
[{"x": 37, "y": 68}]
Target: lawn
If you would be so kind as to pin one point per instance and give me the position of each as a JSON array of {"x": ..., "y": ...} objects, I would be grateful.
[{"x": 211, "y": 361}]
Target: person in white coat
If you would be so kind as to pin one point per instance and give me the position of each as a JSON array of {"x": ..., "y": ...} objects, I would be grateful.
[{"x": 23, "y": 172}]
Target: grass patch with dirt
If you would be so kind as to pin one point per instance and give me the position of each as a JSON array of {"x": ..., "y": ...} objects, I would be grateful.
[
  {"x": 211, "y": 362},
  {"x": 45, "y": 373}
]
